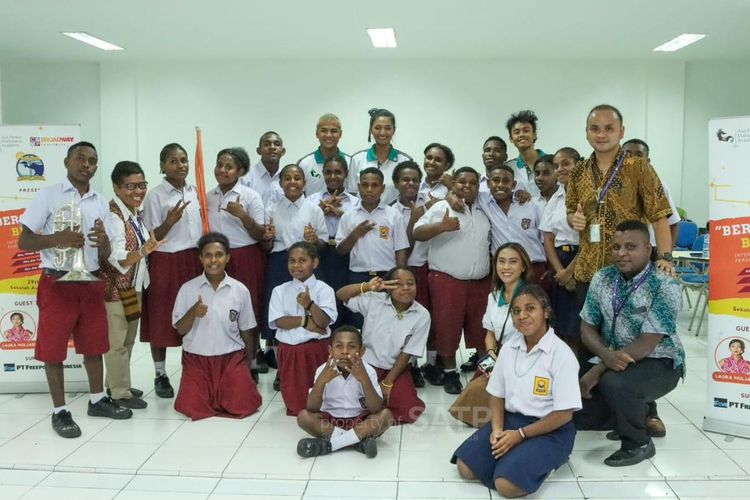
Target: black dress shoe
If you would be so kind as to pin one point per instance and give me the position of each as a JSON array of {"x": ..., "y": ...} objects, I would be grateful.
[
  {"x": 623, "y": 458},
  {"x": 270, "y": 356},
  {"x": 368, "y": 446},
  {"x": 133, "y": 403},
  {"x": 260, "y": 362},
  {"x": 105, "y": 407},
  {"x": 277, "y": 383},
  {"x": 433, "y": 374},
  {"x": 471, "y": 363},
  {"x": 313, "y": 447},
  {"x": 452, "y": 383},
  {"x": 162, "y": 387},
  {"x": 64, "y": 426},
  {"x": 416, "y": 376}
]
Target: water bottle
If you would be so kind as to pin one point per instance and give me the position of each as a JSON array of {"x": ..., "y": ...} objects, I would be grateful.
[{"x": 706, "y": 239}]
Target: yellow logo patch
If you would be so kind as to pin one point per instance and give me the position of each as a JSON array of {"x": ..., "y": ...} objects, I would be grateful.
[
  {"x": 384, "y": 232},
  {"x": 541, "y": 386}
]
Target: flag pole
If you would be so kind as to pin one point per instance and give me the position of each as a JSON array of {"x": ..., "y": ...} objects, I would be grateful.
[{"x": 200, "y": 179}]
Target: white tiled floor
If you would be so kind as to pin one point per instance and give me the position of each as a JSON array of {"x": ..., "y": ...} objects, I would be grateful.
[{"x": 158, "y": 454}]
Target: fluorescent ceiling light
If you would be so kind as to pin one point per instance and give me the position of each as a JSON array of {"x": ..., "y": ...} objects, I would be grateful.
[
  {"x": 92, "y": 40},
  {"x": 679, "y": 42},
  {"x": 382, "y": 37}
]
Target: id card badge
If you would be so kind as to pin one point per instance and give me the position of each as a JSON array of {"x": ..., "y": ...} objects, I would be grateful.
[{"x": 595, "y": 235}]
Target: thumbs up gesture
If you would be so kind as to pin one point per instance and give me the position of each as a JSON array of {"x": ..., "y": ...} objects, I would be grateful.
[
  {"x": 200, "y": 309},
  {"x": 578, "y": 221},
  {"x": 450, "y": 223},
  {"x": 270, "y": 233},
  {"x": 304, "y": 299}
]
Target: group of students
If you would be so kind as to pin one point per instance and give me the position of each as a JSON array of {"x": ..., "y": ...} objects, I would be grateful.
[{"x": 348, "y": 267}]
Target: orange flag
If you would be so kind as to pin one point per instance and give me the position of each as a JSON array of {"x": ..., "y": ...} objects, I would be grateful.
[{"x": 200, "y": 179}]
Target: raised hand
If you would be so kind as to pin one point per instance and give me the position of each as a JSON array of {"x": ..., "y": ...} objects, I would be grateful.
[
  {"x": 270, "y": 232},
  {"x": 151, "y": 244},
  {"x": 579, "y": 219},
  {"x": 199, "y": 308},
  {"x": 175, "y": 213},
  {"x": 235, "y": 208},
  {"x": 357, "y": 369},
  {"x": 416, "y": 211},
  {"x": 450, "y": 223},
  {"x": 363, "y": 228},
  {"x": 98, "y": 236},
  {"x": 378, "y": 284},
  {"x": 329, "y": 373},
  {"x": 304, "y": 299},
  {"x": 431, "y": 200}
]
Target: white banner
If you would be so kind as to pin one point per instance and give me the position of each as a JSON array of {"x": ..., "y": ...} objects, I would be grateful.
[
  {"x": 31, "y": 158},
  {"x": 728, "y": 401}
]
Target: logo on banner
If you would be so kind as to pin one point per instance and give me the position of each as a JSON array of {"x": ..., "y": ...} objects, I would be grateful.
[
  {"x": 9, "y": 367},
  {"x": 36, "y": 142},
  {"x": 29, "y": 167},
  {"x": 729, "y": 357},
  {"x": 735, "y": 137},
  {"x": 721, "y": 403}
]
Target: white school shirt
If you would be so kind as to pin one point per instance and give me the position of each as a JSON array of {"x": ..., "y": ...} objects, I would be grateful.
[
  {"x": 524, "y": 178},
  {"x": 284, "y": 303},
  {"x": 495, "y": 317},
  {"x": 484, "y": 183},
  {"x": 464, "y": 254},
  {"x": 376, "y": 250},
  {"x": 230, "y": 310},
  {"x": 345, "y": 397},
  {"x": 555, "y": 220},
  {"x": 117, "y": 243},
  {"x": 348, "y": 201},
  {"x": 188, "y": 229},
  {"x": 539, "y": 382},
  {"x": 39, "y": 217},
  {"x": 366, "y": 159},
  {"x": 418, "y": 255},
  {"x": 223, "y": 222},
  {"x": 671, "y": 220},
  {"x": 520, "y": 225},
  {"x": 312, "y": 165},
  {"x": 266, "y": 185},
  {"x": 290, "y": 218},
  {"x": 385, "y": 335},
  {"x": 439, "y": 191}
]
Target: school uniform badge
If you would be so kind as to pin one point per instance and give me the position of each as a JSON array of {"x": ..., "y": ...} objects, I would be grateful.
[
  {"x": 525, "y": 223},
  {"x": 541, "y": 386},
  {"x": 233, "y": 315},
  {"x": 384, "y": 232}
]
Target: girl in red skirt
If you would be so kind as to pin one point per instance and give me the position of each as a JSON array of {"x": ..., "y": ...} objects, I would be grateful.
[
  {"x": 300, "y": 311},
  {"x": 172, "y": 213}
]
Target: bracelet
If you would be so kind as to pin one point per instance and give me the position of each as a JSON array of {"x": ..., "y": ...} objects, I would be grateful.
[
  {"x": 386, "y": 385},
  {"x": 303, "y": 323},
  {"x": 312, "y": 302},
  {"x": 362, "y": 288},
  {"x": 520, "y": 431}
]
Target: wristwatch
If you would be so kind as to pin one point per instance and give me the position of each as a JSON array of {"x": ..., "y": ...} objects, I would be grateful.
[{"x": 666, "y": 256}]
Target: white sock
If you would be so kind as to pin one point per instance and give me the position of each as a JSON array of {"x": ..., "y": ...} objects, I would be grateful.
[
  {"x": 253, "y": 364},
  {"x": 451, "y": 370},
  {"x": 58, "y": 409},
  {"x": 341, "y": 438},
  {"x": 432, "y": 358},
  {"x": 414, "y": 361},
  {"x": 160, "y": 367},
  {"x": 96, "y": 397}
]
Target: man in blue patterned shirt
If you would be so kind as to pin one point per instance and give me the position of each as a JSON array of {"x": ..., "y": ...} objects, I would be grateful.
[{"x": 629, "y": 322}]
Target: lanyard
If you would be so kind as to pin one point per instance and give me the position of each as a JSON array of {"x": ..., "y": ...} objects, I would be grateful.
[
  {"x": 603, "y": 191},
  {"x": 137, "y": 230},
  {"x": 619, "y": 303}
]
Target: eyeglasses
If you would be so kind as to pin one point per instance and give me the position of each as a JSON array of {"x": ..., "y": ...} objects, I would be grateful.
[{"x": 132, "y": 186}]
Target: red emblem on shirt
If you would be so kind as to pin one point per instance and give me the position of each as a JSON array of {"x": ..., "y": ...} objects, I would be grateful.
[{"x": 384, "y": 231}]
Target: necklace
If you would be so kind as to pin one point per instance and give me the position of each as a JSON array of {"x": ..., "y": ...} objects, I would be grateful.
[{"x": 528, "y": 369}]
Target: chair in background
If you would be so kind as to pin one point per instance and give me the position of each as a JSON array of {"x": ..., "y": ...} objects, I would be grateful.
[
  {"x": 686, "y": 234},
  {"x": 694, "y": 277}
]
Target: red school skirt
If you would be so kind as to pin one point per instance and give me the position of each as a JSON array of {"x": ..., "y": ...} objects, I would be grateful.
[
  {"x": 167, "y": 273},
  {"x": 297, "y": 365},
  {"x": 248, "y": 266},
  {"x": 403, "y": 402}
]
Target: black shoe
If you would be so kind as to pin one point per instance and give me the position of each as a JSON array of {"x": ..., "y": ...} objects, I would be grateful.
[
  {"x": 368, "y": 446},
  {"x": 471, "y": 363},
  {"x": 623, "y": 458},
  {"x": 270, "y": 356},
  {"x": 260, "y": 362},
  {"x": 433, "y": 374},
  {"x": 135, "y": 392},
  {"x": 416, "y": 376},
  {"x": 655, "y": 428},
  {"x": 254, "y": 375},
  {"x": 452, "y": 383},
  {"x": 64, "y": 426},
  {"x": 133, "y": 403},
  {"x": 277, "y": 383},
  {"x": 313, "y": 447},
  {"x": 613, "y": 436},
  {"x": 162, "y": 387},
  {"x": 108, "y": 408}
]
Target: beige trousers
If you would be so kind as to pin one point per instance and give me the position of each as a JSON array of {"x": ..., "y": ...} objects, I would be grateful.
[{"x": 121, "y": 341}]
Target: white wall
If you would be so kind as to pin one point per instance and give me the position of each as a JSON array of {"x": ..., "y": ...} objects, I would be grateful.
[{"x": 131, "y": 110}]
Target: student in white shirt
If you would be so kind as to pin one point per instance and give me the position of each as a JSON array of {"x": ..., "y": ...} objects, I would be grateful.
[
  {"x": 494, "y": 154},
  {"x": 293, "y": 218},
  {"x": 301, "y": 311},
  {"x": 382, "y": 155},
  {"x": 264, "y": 176},
  {"x": 214, "y": 313},
  {"x": 533, "y": 394},
  {"x": 522, "y": 132},
  {"x": 335, "y": 201},
  {"x": 172, "y": 213},
  {"x": 345, "y": 404},
  {"x": 125, "y": 273},
  {"x": 438, "y": 158},
  {"x": 459, "y": 280},
  {"x": 76, "y": 310},
  {"x": 561, "y": 247},
  {"x": 395, "y": 329},
  {"x": 372, "y": 233},
  {"x": 545, "y": 179},
  {"x": 328, "y": 131}
]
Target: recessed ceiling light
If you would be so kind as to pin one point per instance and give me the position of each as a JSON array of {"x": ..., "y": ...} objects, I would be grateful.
[
  {"x": 92, "y": 40},
  {"x": 679, "y": 42},
  {"x": 382, "y": 37}
]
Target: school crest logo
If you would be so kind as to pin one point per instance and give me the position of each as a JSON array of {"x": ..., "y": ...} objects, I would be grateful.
[
  {"x": 233, "y": 315},
  {"x": 525, "y": 223},
  {"x": 541, "y": 386},
  {"x": 384, "y": 232}
]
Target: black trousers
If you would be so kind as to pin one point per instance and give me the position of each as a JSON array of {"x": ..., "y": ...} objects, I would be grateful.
[{"x": 620, "y": 399}]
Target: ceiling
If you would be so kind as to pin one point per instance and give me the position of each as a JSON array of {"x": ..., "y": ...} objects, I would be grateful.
[{"x": 153, "y": 30}]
